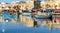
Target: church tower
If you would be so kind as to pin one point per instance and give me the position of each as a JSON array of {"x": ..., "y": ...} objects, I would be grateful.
[{"x": 37, "y": 4}]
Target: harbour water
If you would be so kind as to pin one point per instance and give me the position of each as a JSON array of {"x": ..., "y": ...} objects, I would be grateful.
[
  {"x": 29, "y": 17},
  {"x": 20, "y": 27},
  {"x": 43, "y": 25}
]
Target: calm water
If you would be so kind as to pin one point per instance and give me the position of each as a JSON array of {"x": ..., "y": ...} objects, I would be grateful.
[{"x": 19, "y": 27}]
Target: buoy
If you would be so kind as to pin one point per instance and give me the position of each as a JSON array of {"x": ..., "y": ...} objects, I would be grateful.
[{"x": 6, "y": 20}]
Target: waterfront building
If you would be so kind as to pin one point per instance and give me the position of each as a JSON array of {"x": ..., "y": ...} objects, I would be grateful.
[{"x": 30, "y": 3}]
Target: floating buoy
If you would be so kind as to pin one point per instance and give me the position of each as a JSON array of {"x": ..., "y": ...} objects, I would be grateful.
[{"x": 6, "y": 20}]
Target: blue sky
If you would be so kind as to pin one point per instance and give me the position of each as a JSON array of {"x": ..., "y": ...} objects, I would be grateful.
[{"x": 8, "y": 1}]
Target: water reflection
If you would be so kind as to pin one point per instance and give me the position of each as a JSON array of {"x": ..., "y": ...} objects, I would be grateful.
[
  {"x": 18, "y": 26},
  {"x": 27, "y": 20}
]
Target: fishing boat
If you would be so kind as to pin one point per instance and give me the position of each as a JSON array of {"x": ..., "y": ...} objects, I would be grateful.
[{"x": 44, "y": 16}]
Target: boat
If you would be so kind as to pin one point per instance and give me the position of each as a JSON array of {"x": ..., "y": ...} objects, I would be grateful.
[{"x": 43, "y": 17}]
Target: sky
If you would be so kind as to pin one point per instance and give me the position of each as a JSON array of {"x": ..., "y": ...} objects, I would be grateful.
[{"x": 9, "y": 1}]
